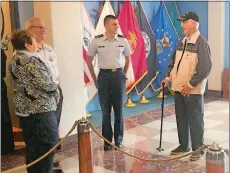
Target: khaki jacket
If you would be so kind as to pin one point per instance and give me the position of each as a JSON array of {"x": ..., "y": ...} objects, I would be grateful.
[{"x": 193, "y": 67}]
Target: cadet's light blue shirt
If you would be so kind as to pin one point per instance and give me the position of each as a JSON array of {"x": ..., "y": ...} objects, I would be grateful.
[{"x": 110, "y": 53}]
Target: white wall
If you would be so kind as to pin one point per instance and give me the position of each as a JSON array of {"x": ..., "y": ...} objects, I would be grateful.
[
  {"x": 65, "y": 20},
  {"x": 216, "y": 20}
]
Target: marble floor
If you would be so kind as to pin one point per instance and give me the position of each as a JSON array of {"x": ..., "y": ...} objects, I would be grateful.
[{"x": 141, "y": 138}]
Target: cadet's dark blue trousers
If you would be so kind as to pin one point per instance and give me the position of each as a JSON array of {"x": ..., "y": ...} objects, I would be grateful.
[
  {"x": 111, "y": 89},
  {"x": 40, "y": 133}
]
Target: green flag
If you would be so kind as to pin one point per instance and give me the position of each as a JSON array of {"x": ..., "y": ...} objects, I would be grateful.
[{"x": 174, "y": 14}]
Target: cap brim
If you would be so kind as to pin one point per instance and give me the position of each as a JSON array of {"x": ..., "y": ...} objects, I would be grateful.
[{"x": 181, "y": 18}]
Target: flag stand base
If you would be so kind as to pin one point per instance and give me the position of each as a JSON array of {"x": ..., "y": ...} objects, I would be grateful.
[
  {"x": 172, "y": 93},
  {"x": 161, "y": 95},
  {"x": 143, "y": 100},
  {"x": 129, "y": 103},
  {"x": 88, "y": 115}
]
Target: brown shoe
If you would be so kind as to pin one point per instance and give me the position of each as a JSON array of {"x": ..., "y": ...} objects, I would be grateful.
[
  {"x": 59, "y": 146},
  {"x": 57, "y": 167},
  {"x": 57, "y": 164},
  {"x": 180, "y": 150},
  {"x": 57, "y": 170},
  {"x": 196, "y": 156}
]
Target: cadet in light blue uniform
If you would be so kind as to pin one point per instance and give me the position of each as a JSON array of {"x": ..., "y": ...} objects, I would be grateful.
[{"x": 111, "y": 49}]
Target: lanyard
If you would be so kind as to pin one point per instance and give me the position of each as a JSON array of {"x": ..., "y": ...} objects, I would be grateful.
[{"x": 185, "y": 46}]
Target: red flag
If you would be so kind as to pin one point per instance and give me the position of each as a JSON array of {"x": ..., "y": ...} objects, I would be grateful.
[
  {"x": 86, "y": 78},
  {"x": 130, "y": 28}
]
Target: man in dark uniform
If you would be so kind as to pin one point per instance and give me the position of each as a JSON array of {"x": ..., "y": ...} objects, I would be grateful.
[{"x": 111, "y": 48}]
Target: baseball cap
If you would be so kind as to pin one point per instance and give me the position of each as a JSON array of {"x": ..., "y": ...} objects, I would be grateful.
[{"x": 189, "y": 15}]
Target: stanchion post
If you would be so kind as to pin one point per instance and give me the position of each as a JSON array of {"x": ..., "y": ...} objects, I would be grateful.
[{"x": 85, "y": 148}]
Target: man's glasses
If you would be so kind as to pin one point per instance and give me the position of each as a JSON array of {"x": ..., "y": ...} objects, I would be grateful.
[{"x": 39, "y": 27}]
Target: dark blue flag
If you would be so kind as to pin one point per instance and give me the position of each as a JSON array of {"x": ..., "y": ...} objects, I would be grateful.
[
  {"x": 166, "y": 40},
  {"x": 150, "y": 49}
]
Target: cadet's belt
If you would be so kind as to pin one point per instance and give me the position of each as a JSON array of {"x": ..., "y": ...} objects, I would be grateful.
[{"x": 112, "y": 70}]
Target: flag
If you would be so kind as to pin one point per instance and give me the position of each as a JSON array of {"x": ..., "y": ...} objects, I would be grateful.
[
  {"x": 116, "y": 6},
  {"x": 86, "y": 75},
  {"x": 166, "y": 40},
  {"x": 100, "y": 29},
  {"x": 172, "y": 9},
  {"x": 106, "y": 10},
  {"x": 88, "y": 34},
  {"x": 150, "y": 48},
  {"x": 130, "y": 29}
]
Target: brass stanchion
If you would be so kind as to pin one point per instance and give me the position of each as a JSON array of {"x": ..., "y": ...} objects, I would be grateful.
[
  {"x": 143, "y": 99},
  {"x": 129, "y": 102},
  {"x": 85, "y": 147}
]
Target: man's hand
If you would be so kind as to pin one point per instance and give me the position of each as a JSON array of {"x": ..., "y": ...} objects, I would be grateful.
[
  {"x": 59, "y": 84},
  {"x": 58, "y": 96},
  {"x": 58, "y": 99},
  {"x": 165, "y": 82},
  {"x": 89, "y": 63},
  {"x": 186, "y": 90},
  {"x": 127, "y": 64}
]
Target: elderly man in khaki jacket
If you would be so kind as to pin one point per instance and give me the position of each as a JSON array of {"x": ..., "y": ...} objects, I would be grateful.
[{"x": 188, "y": 73}]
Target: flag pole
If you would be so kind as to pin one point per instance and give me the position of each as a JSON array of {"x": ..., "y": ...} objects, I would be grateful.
[
  {"x": 129, "y": 102},
  {"x": 162, "y": 116},
  {"x": 88, "y": 115},
  {"x": 161, "y": 95},
  {"x": 143, "y": 99}
]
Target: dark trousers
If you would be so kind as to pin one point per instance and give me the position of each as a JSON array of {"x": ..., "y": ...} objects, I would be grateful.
[
  {"x": 59, "y": 107},
  {"x": 189, "y": 117},
  {"x": 7, "y": 139},
  {"x": 111, "y": 89},
  {"x": 40, "y": 133}
]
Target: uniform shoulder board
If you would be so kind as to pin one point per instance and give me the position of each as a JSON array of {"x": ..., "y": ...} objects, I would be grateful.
[
  {"x": 122, "y": 36},
  {"x": 99, "y": 36}
]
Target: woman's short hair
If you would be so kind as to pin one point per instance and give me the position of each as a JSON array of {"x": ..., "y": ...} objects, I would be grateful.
[{"x": 20, "y": 37}]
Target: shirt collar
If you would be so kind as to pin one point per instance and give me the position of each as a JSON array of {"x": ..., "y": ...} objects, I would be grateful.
[
  {"x": 27, "y": 53},
  {"x": 193, "y": 38},
  {"x": 44, "y": 47},
  {"x": 105, "y": 37}
]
